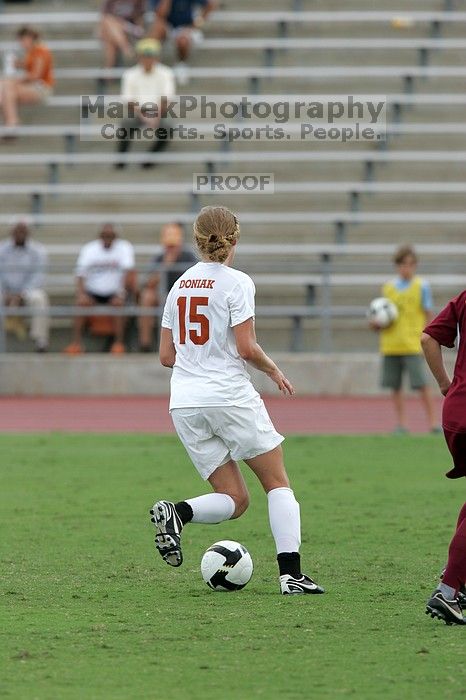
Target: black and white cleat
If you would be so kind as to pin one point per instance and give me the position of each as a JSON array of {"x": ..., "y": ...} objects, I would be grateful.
[
  {"x": 449, "y": 611},
  {"x": 168, "y": 528},
  {"x": 299, "y": 586},
  {"x": 461, "y": 596}
]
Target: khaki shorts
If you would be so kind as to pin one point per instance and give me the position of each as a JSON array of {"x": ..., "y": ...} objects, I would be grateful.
[
  {"x": 395, "y": 366},
  {"x": 213, "y": 435},
  {"x": 195, "y": 35},
  {"x": 43, "y": 89}
]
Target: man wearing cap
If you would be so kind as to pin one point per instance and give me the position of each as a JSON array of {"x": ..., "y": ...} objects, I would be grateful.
[
  {"x": 22, "y": 268},
  {"x": 165, "y": 269},
  {"x": 149, "y": 83}
]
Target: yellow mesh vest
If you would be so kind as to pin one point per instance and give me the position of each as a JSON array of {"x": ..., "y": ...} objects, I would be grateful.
[{"x": 403, "y": 337}]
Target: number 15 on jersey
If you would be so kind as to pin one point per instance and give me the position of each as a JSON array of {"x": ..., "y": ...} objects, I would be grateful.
[{"x": 201, "y": 334}]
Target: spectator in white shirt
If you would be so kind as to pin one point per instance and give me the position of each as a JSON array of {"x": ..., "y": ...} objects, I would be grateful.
[
  {"x": 147, "y": 82},
  {"x": 105, "y": 274},
  {"x": 22, "y": 268}
]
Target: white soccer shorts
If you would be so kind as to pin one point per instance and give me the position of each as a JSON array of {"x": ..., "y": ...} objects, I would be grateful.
[{"x": 214, "y": 435}]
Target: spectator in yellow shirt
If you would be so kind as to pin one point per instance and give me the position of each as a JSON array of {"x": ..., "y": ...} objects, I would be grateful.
[{"x": 400, "y": 343}]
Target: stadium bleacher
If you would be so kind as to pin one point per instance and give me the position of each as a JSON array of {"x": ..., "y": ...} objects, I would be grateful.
[{"x": 360, "y": 199}]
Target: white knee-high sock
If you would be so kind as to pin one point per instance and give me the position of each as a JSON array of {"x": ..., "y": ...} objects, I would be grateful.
[
  {"x": 285, "y": 520},
  {"x": 212, "y": 508}
]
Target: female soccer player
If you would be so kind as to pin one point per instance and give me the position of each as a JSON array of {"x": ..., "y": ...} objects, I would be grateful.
[
  {"x": 208, "y": 337},
  {"x": 447, "y": 601}
]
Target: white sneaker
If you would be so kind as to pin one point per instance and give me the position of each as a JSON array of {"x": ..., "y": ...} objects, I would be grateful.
[
  {"x": 182, "y": 73},
  {"x": 298, "y": 586}
]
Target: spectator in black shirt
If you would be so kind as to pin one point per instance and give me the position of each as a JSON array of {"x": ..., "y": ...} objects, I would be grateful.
[
  {"x": 176, "y": 19},
  {"x": 166, "y": 268}
]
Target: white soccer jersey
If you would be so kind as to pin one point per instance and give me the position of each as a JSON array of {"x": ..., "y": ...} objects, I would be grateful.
[{"x": 201, "y": 310}]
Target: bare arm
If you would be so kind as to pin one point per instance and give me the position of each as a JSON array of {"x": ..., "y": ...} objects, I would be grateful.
[
  {"x": 163, "y": 8},
  {"x": 429, "y": 316},
  {"x": 131, "y": 282},
  {"x": 167, "y": 352},
  {"x": 433, "y": 354},
  {"x": 153, "y": 281},
  {"x": 35, "y": 73},
  {"x": 209, "y": 7},
  {"x": 252, "y": 353},
  {"x": 80, "y": 285},
  {"x": 82, "y": 297}
]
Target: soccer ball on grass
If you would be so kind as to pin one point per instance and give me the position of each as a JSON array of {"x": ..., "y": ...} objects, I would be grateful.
[{"x": 226, "y": 566}]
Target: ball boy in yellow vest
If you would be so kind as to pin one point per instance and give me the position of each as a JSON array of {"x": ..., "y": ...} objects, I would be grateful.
[{"x": 400, "y": 343}]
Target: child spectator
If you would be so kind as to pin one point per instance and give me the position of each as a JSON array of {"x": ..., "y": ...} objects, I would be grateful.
[
  {"x": 22, "y": 268},
  {"x": 400, "y": 343},
  {"x": 34, "y": 85},
  {"x": 105, "y": 275}
]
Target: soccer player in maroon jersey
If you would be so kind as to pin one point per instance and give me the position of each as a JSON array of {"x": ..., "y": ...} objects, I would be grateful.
[{"x": 449, "y": 598}]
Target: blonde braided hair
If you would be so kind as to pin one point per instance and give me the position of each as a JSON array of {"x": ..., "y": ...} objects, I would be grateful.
[{"x": 216, "y": 230}]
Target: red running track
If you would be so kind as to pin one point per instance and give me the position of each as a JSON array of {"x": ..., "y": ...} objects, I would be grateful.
[{"x": 305, "y": 415}]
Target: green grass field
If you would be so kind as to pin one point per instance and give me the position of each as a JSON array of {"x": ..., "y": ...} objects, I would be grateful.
[{"x": 89, "y": 611}]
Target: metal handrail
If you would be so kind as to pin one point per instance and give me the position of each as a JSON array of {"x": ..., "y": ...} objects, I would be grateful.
[{"x": 297, "y": 314}]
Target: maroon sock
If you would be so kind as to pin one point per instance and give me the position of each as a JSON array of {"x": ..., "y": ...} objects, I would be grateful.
[
  {"x": 461, "y": 516},
  {"x": 455, "y": 573}
]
